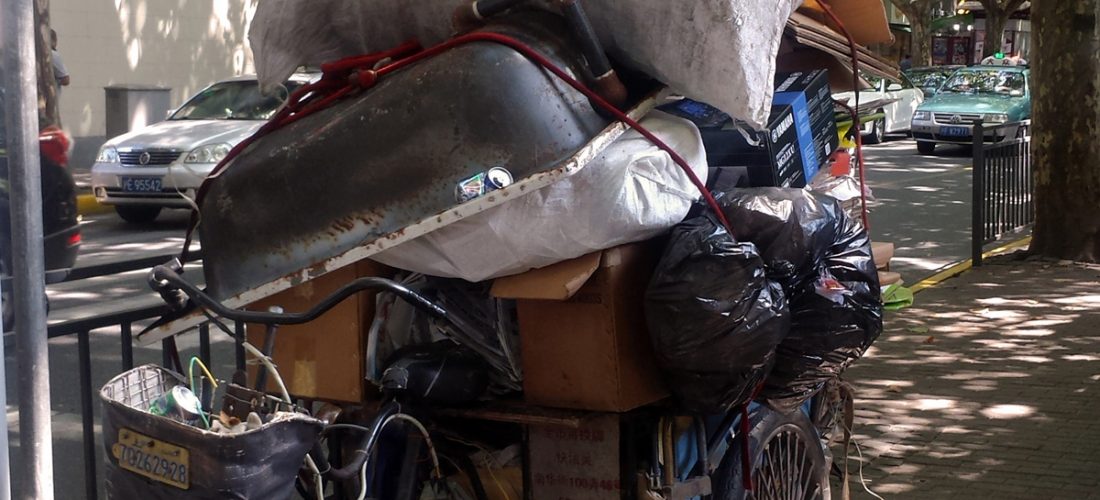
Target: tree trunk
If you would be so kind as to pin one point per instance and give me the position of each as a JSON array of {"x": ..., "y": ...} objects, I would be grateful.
[
  {"x": 995, "y": 20},
  {"x": 919, "y": 14},
  {"x": 922, "y": 42},
  {"x": 47, "y": 87},
  {"x": 1065, "y": 81}
]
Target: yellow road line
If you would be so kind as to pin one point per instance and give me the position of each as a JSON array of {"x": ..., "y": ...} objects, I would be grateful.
[
  {"x": 86, "y": 204},
  {"x": 965, "y": 265}
]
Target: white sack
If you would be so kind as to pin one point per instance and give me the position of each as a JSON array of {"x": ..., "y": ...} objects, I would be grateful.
[
  {"x": 631, "y": 192},
  {"x": 717, "y": 51}
]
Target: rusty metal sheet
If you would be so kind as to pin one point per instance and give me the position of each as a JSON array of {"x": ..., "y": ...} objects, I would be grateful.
[{"x": 342, "y": 185}]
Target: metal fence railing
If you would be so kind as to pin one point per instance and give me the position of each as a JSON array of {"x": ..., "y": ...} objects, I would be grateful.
[
  {"x": 125, "y": 320},
  {"x": 1002, "y": 185}
]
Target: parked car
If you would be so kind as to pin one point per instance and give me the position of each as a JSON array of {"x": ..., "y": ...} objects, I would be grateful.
[
  {"x": 993, "y": 94},
  {"x": 929, "y": 78},
  {"x": 60, "y": 223},
  {"x": 162, "y": 165},
  {"x": 901, "y": 99}
]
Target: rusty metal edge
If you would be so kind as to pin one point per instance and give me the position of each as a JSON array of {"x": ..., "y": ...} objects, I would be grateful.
[{"x": 527, "y": 185}]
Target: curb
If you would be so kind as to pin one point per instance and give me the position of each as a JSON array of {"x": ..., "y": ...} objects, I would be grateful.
[
  {"x": 86, "y": 204},
  {"x": 964, "y": 266}
]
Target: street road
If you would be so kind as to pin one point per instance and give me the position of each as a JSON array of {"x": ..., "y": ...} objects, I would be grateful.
[
  {"x": 923, "y": 205},
  {"x": 106, "y": 239}
]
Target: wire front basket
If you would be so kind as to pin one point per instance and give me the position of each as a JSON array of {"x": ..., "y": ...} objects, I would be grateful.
[{"x": 138, "y": 388}]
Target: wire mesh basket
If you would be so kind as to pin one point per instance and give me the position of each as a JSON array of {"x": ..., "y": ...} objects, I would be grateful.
[
  {"x": 138, "y": 388},
  {"x": 155, "y": 457}
]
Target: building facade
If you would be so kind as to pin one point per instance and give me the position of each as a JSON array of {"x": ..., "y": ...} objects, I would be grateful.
[{"x": 182, "y": 45}]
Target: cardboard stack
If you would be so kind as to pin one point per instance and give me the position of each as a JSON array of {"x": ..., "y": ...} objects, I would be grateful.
[{"x": 883, "y": 253}]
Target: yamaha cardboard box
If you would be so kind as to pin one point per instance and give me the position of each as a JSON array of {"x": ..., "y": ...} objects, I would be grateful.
[
  {"x": 799, "y": 137},
  {"x": 814, "y": 85},
  {"x": 774, "y": 157}
]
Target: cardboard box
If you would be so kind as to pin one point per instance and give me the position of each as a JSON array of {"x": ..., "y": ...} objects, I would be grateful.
[
  {"x": 582, "y": 331},
  {"x": 777, "y": 158},
  {"x": 322, "y": 359},
  {"x": 882, "y": 253},
  {"x": 800, "y": 133},
  {"x": 814, "y": 84},
  {"x": 886, "y": 278},
  {"x": 865, "y": 19}
]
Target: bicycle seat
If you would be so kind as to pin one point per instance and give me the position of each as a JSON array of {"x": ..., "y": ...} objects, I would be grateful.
[{"x": 442, "y": 372}]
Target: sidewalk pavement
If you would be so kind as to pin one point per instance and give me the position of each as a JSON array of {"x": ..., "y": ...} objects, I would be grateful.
[{"x": 986, "y": 388}]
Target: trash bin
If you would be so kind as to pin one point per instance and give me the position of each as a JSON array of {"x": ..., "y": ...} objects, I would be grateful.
[
  {"x": 131, "y": 107},
  {"x": 158, "y": 458}
]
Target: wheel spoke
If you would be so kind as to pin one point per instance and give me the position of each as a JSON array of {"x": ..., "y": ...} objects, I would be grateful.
[
  {"x": 786, "y": 467},
  {"x": 788, "y": 464}
]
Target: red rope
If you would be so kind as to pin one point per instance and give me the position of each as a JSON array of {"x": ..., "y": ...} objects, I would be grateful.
[
  {"x": 746, "y": 456},
  {"x": 855, "y": 122},
  {"x": 347, "y": 75}
]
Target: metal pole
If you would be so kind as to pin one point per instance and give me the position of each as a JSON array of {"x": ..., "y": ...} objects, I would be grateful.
[
  {"x": 127, "y": 346},
  {"x": 5, "y": 461},
  {"x": 977, "y": 201},
  {"x": 87, "y": 414},
  {"x": 20, "y": 82}
]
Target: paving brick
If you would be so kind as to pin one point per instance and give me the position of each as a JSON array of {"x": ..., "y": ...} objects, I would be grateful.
[{"x": 989, "y": 410}]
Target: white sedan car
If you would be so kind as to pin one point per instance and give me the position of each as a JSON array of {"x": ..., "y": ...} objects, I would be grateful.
[
  {"x": 902, "y": 98},
  {"x": 162, "y": 165}
]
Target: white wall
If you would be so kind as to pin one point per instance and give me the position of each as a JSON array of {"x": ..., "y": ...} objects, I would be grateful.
[{"x": 182, "y": 44}]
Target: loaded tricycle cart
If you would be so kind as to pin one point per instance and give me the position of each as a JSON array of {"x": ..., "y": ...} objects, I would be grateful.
[{"x": 402, "y": 241}]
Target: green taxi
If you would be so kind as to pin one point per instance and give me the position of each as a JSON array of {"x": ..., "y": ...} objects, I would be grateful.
[{"x": 993, "y": 94}]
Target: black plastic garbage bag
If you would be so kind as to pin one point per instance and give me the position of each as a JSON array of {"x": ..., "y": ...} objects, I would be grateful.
[
  {"x": 792, "y": 228},
  {"x": 714, "y": 317},
  {"x": 834, "y": 319}
]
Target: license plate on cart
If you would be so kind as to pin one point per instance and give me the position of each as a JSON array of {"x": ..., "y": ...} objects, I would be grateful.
[
  {"x": 153, "y": 458},
  {"x": 955, "y": 131},
  {"x": 141, "y": 184}
]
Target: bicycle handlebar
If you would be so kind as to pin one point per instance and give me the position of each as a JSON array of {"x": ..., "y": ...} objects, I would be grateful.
[{"x": 168, "y": 282}]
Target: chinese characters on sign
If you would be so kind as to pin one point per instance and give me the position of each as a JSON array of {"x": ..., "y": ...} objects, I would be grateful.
[{"x": 576, "y": 464}]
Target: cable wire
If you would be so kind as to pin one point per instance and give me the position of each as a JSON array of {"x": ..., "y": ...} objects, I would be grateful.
[
  {"x": 427, "y": 439},
  {"x": 319, "y": 483},
  {"x": 191, "y": 382}
]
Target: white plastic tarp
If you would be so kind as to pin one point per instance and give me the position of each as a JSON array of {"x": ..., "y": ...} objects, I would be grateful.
[
  {"x": 631, "y": 192},
  {"x": 717, "y": 51}
]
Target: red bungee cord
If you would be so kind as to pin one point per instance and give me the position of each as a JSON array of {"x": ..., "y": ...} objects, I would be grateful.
[
  {"x": 854, "y": 112},
  {"x": 346, "y": 76}
]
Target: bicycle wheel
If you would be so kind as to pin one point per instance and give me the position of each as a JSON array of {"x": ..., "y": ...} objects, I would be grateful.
[{"x": 788, "y": 460}]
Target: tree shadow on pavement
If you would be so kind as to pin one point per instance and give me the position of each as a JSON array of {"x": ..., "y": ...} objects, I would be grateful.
[{"x": 986, "y": 388}]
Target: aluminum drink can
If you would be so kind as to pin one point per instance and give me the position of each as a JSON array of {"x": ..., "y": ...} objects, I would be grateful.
[{"x": 178, "y": 404}]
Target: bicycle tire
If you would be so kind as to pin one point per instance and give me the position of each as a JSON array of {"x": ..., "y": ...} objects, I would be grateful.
[{"x": 788, "y": 460}]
